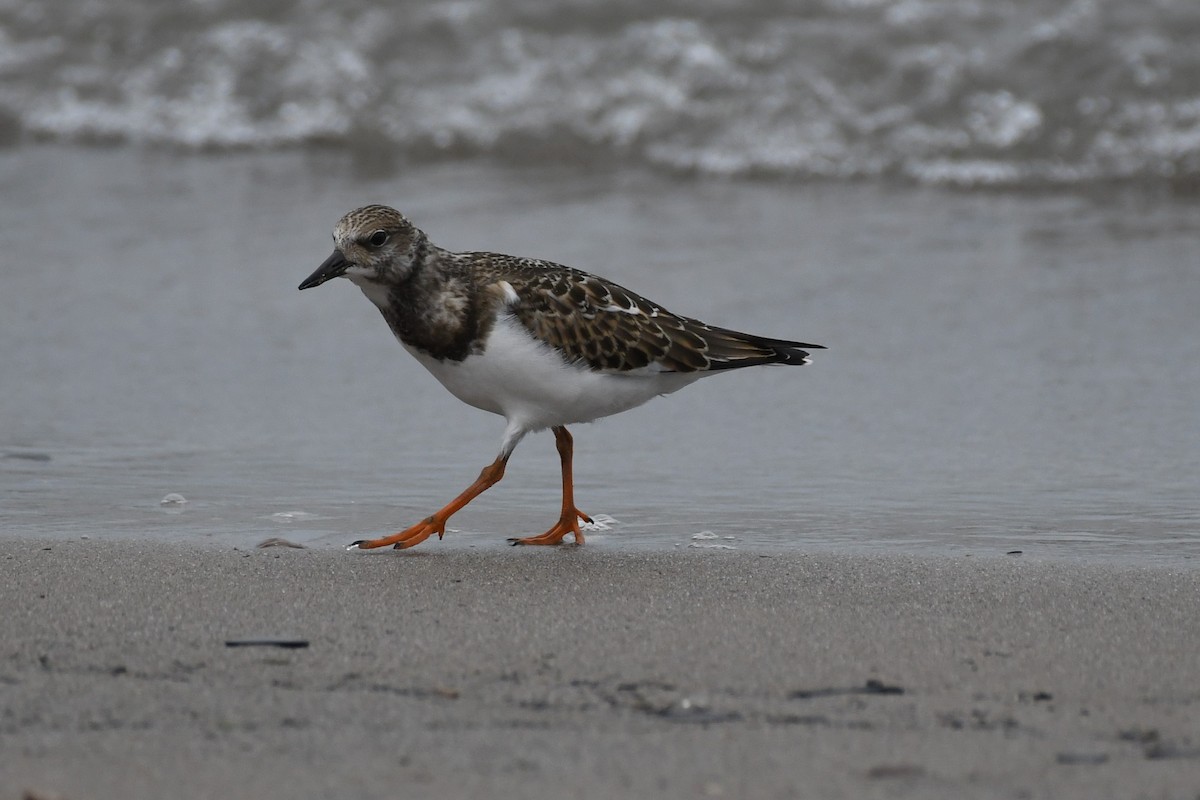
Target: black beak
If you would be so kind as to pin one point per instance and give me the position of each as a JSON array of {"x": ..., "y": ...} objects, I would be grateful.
[{"x": 334, "y": 266}]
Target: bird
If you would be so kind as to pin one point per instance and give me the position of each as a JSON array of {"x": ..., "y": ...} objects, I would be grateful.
[{"x": 541, "y": 344}]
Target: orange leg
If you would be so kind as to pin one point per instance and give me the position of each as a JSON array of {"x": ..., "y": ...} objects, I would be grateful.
[
  {"x": 568, "y": 520},
  {"x": 437, "y": 523}
]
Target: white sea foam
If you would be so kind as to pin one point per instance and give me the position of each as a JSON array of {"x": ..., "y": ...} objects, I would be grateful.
[
  {"x": 600, "y": 522},
  {"x": 912, "y": 90},
  {"x": 292, "y": 516}
]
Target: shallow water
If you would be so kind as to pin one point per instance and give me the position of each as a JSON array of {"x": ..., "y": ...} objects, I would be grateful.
[{"x": 1005, "y": 372}]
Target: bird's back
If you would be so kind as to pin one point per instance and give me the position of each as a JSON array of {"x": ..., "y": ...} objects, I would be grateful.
[{"x": 612, "y": 329}]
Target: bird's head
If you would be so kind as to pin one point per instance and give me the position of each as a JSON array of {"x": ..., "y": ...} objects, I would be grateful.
[{"x": 372, "y": 245}]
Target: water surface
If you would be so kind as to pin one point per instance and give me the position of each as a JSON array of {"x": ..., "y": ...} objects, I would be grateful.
[
  {"x": 933, "y": 92},
  {"x": 1005, "y": 372}
]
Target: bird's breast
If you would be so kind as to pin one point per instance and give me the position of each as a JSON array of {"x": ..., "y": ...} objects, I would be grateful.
[{"x": 439, "y": 324}]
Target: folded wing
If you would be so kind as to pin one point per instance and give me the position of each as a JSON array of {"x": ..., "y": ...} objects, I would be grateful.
[{"x": 610, "y": 328}]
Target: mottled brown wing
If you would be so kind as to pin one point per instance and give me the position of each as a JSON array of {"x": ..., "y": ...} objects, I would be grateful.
[{"x": 613, "y": 329}]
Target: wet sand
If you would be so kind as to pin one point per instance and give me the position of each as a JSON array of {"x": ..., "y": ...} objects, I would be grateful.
[
  {"x": 963, "y": 406},
  {"x": 449, "y": 672}
]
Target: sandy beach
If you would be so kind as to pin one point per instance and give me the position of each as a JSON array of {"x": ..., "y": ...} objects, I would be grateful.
[{"x": 449, "y": 672}]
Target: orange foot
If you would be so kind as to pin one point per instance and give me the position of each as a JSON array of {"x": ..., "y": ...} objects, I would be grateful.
[
  {"x": 567, "y": 523},
  {"x": 409, "y": 537}
]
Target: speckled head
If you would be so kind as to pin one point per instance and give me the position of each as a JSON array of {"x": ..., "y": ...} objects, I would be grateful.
[{"x": 373, "y": 245}]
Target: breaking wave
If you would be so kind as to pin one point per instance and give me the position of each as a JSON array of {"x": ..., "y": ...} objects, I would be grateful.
[{"x": 949, "y": 92}]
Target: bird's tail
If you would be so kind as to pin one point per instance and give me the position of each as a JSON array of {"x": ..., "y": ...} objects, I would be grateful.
[{"x": 732, "y": 349}]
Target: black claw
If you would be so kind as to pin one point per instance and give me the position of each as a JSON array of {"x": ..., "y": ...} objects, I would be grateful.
[
  {"x": 355, "y": 545},
  {"x": 515, "y": 542}
]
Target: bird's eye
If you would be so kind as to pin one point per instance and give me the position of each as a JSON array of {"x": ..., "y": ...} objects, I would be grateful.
[{"x": 378, "y": 239}]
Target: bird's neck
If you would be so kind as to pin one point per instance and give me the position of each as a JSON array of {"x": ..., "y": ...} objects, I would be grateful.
[{"x": 432, "y": 308}]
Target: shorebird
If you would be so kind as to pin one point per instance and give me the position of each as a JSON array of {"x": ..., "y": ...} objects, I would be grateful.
[{"x": 539, "y": 343}]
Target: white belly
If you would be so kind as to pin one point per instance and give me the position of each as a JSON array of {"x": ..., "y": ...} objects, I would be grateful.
[{"x": 531, "y": 385}]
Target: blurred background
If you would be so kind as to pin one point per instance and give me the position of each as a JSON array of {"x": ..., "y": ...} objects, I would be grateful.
[
  {"x": 934, "y": 92},
  {"x": 987, "y": 211}
]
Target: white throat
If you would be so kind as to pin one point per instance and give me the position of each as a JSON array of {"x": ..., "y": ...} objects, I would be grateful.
[{"x": 376, "y": 292}]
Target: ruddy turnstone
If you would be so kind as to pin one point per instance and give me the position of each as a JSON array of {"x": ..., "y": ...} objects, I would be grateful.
[{"x": 541, "y": 344}]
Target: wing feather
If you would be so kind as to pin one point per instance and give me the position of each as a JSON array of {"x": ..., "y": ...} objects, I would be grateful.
[{"x": 613, "y": 329}]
